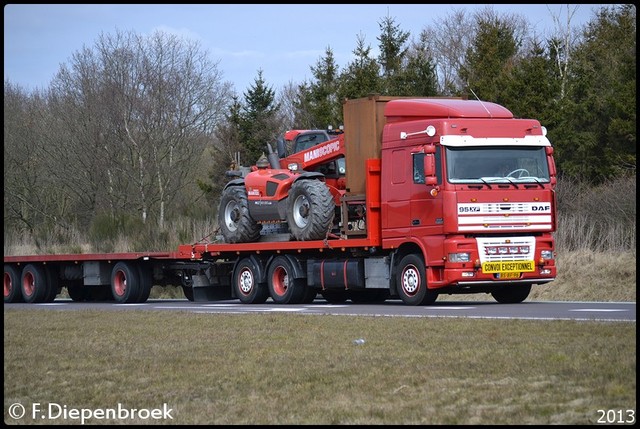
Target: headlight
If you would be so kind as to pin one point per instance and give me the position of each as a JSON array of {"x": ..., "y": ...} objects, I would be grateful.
[
  {"x": 546, "y": 254},
  {"x": 459, "y": 257}
]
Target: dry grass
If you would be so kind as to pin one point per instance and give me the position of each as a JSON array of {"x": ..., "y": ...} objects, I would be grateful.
[
  {"x": 295, "y": 369},
  {"x": 583, "y": 275}
]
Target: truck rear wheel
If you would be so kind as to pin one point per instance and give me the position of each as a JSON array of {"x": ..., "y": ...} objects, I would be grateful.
[
  {"x": 283, "y": 287},
  {"x": 246, "y": 285},
  {"x": 125, "y": 282},
  {"x": 310, "y": 210},
  {"x": 12, "y": 291},
  {"x": 234, "y": 219},
  {"x": 412, "y": 282},
  {"x": 511, "y": 294}
]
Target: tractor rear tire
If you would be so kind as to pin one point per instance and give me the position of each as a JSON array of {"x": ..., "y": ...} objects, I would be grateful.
[
  {"x": 310, "y": 210},
  {"x": 234, "y": 219}
]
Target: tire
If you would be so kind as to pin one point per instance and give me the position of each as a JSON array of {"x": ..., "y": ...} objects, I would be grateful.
[
  {"x": 234, "y": 219},
  {"x": 125, "y": 282},
  {"x": 283, "y": 287},
  {"x": 146, "y": 282},
  {"x": 52, "y": 284},
  {"x": 78, "y": 292},
  {"x": 12, "y": 290},
  {"x": 511, "y": 294},
  {"x": 188, "y": 292},
  {"x": 34, "y": 283},
  {"x": 412, "y": 282},
  {"x": 246, "y": 285},
  {"x": 310, "y": 210}
]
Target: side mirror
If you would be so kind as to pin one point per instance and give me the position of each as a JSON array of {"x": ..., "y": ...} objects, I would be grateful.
[{"x": 430, "y": 168}]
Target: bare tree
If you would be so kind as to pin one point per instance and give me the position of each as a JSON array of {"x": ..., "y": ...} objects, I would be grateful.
[
  {"x": 151, "y": 105},
  {"x": 565, "y": 40},
  {"x": 447, "y": 41}
]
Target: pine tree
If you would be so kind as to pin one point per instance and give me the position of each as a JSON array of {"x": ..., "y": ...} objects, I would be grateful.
[
  {"x": 322, "y": 99},
  {"x": 392, "y": 54},
  {"x": 258, "y": 119},
  {"x": 361, "y": 76}
]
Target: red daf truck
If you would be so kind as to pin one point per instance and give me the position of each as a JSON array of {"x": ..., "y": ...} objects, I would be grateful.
[{"x": 418, "y": 197}]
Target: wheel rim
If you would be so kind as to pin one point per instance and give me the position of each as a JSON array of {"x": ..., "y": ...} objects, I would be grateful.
[
  {"x": 28, "y": 284},
  {"x": 8, "y": 286},
  {"x": 231, "y": 215},
  {"x": 120, "y": 283},
  {"x": 410, "y": 280},
  {"x": 245, "y": 282},
  {"x": 301, "y": 209},
  {"x": 280, "y": 281}
]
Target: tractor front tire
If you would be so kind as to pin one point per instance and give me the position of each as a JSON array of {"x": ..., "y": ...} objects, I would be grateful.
[{"x": 234, "y": 219}]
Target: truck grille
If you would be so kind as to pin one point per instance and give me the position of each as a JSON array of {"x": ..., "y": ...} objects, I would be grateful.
[{"x": 504, "y": 249}]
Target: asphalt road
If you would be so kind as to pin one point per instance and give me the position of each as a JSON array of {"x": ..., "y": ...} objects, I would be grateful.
[{"x": 534, "y": 310}]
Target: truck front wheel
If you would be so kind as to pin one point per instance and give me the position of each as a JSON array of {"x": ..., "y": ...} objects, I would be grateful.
[
  {"x": 412, "y": 282},
  {"x": 511, "y": 294},
  {"x": 246, "y": 285},
  {"x": 310, "y": 210},
  {"x": 234, "y": 219}
]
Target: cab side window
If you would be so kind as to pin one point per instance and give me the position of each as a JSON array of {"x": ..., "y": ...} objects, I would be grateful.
[{"x": 418, "y": 168}]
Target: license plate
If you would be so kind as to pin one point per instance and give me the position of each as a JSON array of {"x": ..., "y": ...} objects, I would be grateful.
[
  {"x": 514, "y": 275},
  {"x": 504, "y": 267}
]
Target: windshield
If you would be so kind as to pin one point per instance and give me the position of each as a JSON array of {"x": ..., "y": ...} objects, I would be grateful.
[{"x": 497, "y": 164}]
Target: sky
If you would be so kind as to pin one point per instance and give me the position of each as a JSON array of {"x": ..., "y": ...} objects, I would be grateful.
[{"x": 284, "y": 41}]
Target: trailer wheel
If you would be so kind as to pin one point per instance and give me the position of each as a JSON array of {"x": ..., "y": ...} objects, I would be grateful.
[
  {"x": 310, "y": 210},
  {"x": 188, "y": 292},
  {"x": 12, "y": 291},
  {"x": 125, "y": 282},
  {"x": 34, "y": 283},
  {"x": 53, "y": 283},
  {"x": 246, "y": 285},
  {"x": 511, "y": 294},
  {"x": 77, "y": 291},
  {"x": 412, "y": 282},
  {"x": 234, "y": 219},
  {"x": 146, "y": 282},
  {"x": 283, "y": 287}
]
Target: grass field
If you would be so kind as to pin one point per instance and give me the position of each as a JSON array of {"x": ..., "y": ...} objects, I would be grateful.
[{"x": 294, "y": 369}]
